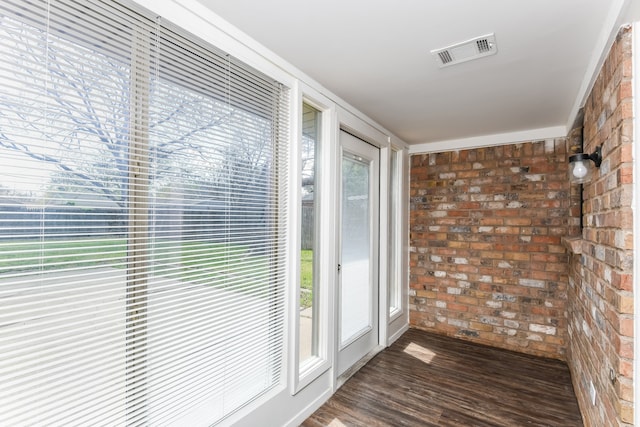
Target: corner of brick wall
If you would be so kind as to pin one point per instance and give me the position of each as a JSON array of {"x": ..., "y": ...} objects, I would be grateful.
[
  {"x": 600, "y": 294},
  {"x": 486, "y": 259}
]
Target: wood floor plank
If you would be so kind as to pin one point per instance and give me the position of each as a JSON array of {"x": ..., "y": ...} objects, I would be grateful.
[{"x": 430, "y": 380}]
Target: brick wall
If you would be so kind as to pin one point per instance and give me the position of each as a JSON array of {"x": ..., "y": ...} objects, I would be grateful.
[
  {"x": 600, "y": 299},
  {"x": 487, "y": 263}
]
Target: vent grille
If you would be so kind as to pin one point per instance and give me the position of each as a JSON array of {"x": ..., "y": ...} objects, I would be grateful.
[
  {"x": 445, "y": 57},
  {"x": 483, "y": 45},
  {"x": 466, "y": 51}
]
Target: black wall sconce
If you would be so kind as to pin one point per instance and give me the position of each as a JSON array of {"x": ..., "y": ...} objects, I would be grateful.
[{"x": 582, "y": 166}]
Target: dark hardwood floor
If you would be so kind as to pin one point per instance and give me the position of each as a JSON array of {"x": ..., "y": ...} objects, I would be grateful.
[{"x": 430, "y": 380}]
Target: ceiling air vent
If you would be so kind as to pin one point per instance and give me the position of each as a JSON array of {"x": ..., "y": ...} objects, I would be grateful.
[
  {"x": 466, "y": 51},
  {"x": 445, "y": 57},
  {"x": 483, "y": 45}
]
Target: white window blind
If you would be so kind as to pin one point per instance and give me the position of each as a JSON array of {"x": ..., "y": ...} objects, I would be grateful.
[{"x": 142, "y": 223}]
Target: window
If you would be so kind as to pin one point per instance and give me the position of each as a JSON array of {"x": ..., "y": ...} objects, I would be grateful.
[
  {"x": 141, "y": 221},
  {"x": 309, "y": 288}
]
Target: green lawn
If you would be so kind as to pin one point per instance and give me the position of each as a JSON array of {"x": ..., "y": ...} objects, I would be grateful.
[
  {"x": 183, "y": 260},
  {"x": 193, "y": 261},
  {"x": 226, "y": 265},
  {"x": 56, "y": 254},
  {"x": 306, "y": 278}
]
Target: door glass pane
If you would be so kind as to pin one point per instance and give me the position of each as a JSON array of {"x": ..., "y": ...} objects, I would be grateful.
[
  {"x": 355, "y": 294},
  {"x": 308, "y": 244}
]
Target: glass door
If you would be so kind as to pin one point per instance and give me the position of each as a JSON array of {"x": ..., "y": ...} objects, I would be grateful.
[{"x": 358, "y": 270}]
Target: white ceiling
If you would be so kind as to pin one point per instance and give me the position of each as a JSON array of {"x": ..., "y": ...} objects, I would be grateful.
[{"x": 375, "y": 55}]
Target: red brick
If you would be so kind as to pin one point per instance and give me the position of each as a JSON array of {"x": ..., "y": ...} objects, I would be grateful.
[
  {"x": 524, "y": 225},
  {"x": 602, "y": 296},
  {"x": 625, "y": 90},
  {"x": 459, "y": 308},
  {"x": 625, "y": 175},
  {"x": 625, "y": 327},
  {"x": 517, "y": 221},
  {"x": 467, "y": 300},
  {"x": 625, "y": 368}
]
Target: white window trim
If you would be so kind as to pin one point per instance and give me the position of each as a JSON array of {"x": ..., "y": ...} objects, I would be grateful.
[
  {"x": 302, "y": 375},
  {"x": 399, "y": 320}
]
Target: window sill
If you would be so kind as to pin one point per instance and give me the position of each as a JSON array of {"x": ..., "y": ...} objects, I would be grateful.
[{"x": 573, "y": 244}]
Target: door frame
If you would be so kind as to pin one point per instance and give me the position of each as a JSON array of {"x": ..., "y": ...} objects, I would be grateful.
[{"x": 354, "y": 125}]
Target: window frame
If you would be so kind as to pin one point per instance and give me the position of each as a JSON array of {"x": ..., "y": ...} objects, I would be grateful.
[
  {"x": 398, "y": 276},
  {"x": 303, "y": 374},
  {"x": 395, "y": 288}
]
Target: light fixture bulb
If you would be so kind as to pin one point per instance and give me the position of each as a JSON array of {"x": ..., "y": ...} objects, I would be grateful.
[
  {"x": 579, "y": 170},
  {"x": 582, "y": 166}
]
